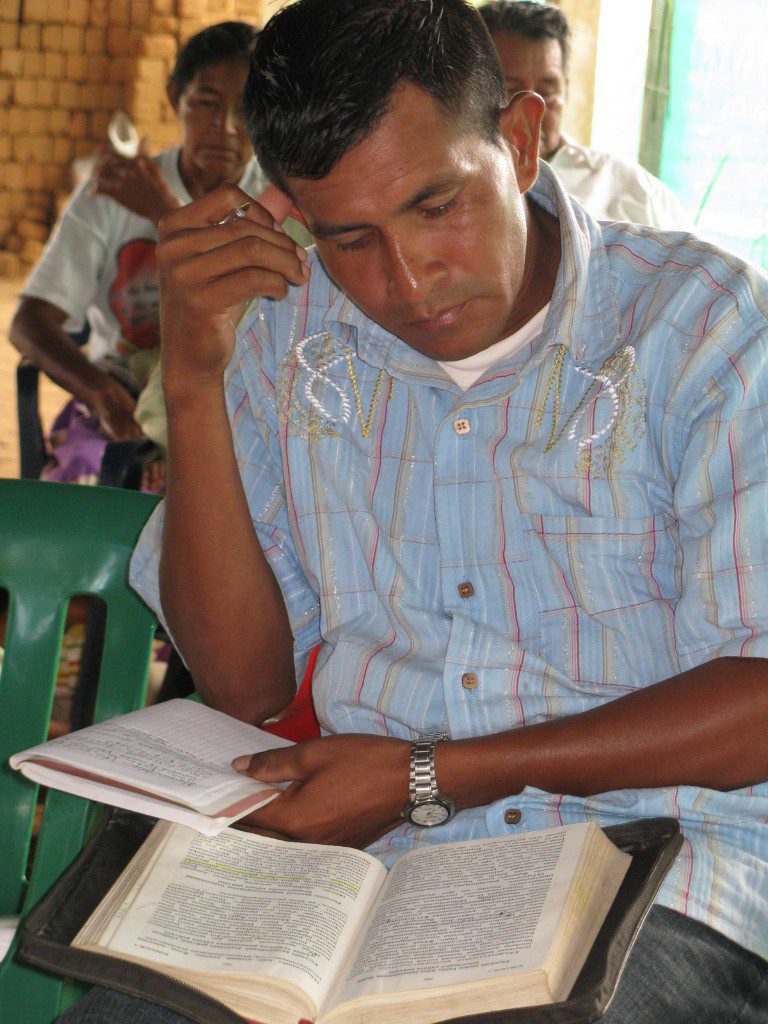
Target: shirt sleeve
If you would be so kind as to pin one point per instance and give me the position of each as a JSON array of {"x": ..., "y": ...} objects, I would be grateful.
[
  {"x": 67, "y": 274},
  {"x": 721, "y": 500},
  {"x": 255, "y": 434}
]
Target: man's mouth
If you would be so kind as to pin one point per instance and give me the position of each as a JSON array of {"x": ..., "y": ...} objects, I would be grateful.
[
  {"x": 444, "y": 320},
  {"x": 223, "y": 152}
]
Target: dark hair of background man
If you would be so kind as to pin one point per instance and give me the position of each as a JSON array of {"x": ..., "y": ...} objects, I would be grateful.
[
  {"x": 225, "y": 42},
  {"x": 530, "y": 20}
]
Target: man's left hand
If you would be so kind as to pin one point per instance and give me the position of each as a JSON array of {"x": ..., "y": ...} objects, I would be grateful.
[{"x": 346, "y": 790}]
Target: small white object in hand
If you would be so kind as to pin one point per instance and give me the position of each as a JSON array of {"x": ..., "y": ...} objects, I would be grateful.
[{"x": 123, "y": 135}]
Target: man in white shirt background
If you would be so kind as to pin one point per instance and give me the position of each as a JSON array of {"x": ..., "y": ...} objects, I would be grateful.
[{"x": 533, "y": 44}]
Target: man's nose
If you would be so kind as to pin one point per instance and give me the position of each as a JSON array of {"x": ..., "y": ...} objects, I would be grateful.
[
  {"x": 230, "y": 119},
  {"x": 413, "y": 272},
  {"x": 233, "y": 122}
]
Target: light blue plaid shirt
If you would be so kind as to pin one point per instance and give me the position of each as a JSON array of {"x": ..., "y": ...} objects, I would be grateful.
[{"x": 588, "y": 518}]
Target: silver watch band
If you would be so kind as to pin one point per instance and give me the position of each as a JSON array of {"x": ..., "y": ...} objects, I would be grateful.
[
  {"x": 426, "y": 807},
  {"x": 422, "y": 782}
]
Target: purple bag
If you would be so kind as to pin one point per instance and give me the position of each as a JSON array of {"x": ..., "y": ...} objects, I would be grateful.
[{"x": 76, "y": 446}]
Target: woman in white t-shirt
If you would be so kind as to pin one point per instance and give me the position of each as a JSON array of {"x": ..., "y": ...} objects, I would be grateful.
[{"x": 99, "y": 265}]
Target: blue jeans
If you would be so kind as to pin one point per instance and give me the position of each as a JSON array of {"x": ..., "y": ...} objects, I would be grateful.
[{"x": 679, "y": 972}]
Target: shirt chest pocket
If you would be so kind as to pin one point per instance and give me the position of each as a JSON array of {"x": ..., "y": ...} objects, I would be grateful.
[{"x": 607, "y": 589}]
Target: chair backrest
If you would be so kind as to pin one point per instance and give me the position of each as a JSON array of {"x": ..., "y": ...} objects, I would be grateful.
[{"x": 58, "y": 541}]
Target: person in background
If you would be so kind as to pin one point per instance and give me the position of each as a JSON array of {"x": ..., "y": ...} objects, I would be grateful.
[
  {"x": 533, "y": 43},
  {"x": 99, "y": 266}
]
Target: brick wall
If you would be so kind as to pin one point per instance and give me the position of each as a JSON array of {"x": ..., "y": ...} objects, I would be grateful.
[{"x": 65, "y": 67}]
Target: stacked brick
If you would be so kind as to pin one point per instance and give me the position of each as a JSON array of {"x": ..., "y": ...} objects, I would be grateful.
[{"x": 65, "y": 67}]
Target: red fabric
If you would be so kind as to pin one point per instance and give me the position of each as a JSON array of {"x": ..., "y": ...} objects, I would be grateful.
[{"x": 298, "y": 721}]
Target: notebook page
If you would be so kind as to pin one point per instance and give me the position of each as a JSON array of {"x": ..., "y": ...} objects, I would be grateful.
[{"x": 180, "y": 750}]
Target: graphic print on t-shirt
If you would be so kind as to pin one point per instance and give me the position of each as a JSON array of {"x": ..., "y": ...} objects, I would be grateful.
[{"x": 134, "y": 296}]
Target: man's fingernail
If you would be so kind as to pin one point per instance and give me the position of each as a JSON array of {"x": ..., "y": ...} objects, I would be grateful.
[
  {"x": 302, "y": 254},
  {"x": 240, "y": 764}
]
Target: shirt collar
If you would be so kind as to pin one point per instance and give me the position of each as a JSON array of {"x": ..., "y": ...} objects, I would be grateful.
[
  {"x": 583, "y": 314},
  {"x": 572, "y": 151},
  {"x": 252, "y": 180}
]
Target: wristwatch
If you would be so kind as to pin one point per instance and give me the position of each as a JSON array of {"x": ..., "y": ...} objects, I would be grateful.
[{"x": 425, "y": 806}]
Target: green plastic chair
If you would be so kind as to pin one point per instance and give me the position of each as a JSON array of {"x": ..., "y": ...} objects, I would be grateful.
[{"x": 58, "y": 541}]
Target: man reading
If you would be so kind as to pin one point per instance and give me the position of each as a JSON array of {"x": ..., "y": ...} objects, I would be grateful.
[{"x": 506, "y": 466}]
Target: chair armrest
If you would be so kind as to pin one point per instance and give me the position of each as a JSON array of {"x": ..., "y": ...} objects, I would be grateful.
[
  {"x": 32, "y": 453},
  {"x": 125, "y": 461}
]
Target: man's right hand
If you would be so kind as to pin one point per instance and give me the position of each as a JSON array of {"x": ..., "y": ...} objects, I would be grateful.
[
  {"x": 209, "y": 271},
  {"x": 136, "y": 183},
  {"x": 37, "y": 331},
  {"x": 115, "y": 408}
]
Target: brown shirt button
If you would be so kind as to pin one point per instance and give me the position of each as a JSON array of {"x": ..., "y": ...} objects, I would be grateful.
[
  {"x": 461, "y": 426},
  {"x": 469, "y": 681},
  {"x": 466, "y": 590},
  {"x": 512, "y": 816}
]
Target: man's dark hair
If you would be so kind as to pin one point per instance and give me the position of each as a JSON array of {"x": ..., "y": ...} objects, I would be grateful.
[
  {"x": 531, "y": 20},
  {"x": 323, "y": 73},
  {"x": 227, "y": 41}
]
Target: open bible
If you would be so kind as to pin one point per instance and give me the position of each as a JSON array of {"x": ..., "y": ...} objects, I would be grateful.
[
  {"x": 280, "y": 931},
  {"x": 170, "y": 760}
]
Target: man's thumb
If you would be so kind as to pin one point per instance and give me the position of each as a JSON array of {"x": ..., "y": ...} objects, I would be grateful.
[{"x": 268, "y": 766}]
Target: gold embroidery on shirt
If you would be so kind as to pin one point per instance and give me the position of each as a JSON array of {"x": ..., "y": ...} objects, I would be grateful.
[
  {"x": 606, "y": 450},
  {"x": 618, "y": 381},
  {"x": 365, "y": 422},
  {"x": 310, "y": 402}
]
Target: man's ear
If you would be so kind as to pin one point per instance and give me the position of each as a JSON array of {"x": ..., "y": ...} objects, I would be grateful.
[{"x": 520, "y": 124}]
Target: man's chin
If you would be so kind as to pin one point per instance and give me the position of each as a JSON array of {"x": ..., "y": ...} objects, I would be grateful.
[
  {"x": 454, "y": 334},
  {"x": 448, "y": 349}
]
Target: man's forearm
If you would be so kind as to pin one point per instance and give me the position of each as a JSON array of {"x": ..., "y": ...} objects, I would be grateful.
[
  {"x": 223, "y": 604},
  {"x": 705, "y": 727},
  {"x": 37, "y": 332}
]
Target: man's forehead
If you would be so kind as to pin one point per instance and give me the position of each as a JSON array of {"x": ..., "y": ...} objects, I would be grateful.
[
  {"x": 536, "y": 56},
  {"x": 414, "y": 153}
]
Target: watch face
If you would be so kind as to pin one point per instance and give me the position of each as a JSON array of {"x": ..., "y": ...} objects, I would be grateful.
[{"x": 428, "y": 815}]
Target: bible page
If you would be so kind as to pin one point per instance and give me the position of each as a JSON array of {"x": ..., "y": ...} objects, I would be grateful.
[
  {"x": 178, "y": 750},
  {"x": 463, "y": 912},
  {"x": 243, "y": 904}
]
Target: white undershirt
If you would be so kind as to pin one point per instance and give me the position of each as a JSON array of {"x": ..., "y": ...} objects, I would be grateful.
[{"x": 465, "y": 372}]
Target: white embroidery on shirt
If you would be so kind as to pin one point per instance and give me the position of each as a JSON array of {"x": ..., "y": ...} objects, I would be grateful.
[
  {"x": 608, "y": 446},
  {"x": 306, "y": 393},
  {"x": 319, "y": 373}
]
